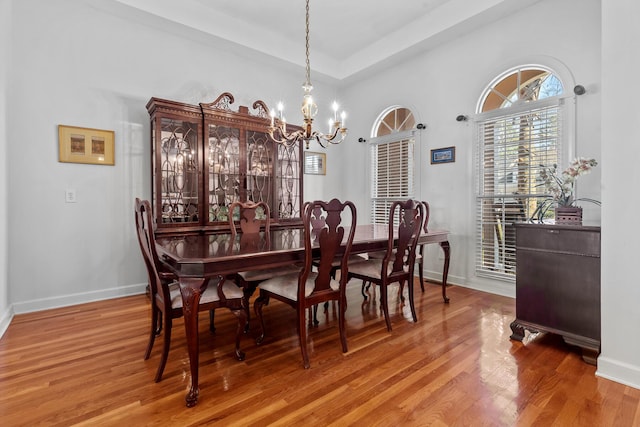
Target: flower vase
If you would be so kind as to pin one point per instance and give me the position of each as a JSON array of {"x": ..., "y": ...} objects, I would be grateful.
[{"x": 568, "y": 215}]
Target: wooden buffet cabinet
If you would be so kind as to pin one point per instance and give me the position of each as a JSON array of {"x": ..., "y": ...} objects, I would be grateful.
[
  {"x": 206, "y": 156},
  {"x": 558, "y": 284}
]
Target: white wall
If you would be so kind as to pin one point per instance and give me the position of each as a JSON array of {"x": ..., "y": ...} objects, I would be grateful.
[
  {"x": 620, "y": 358},
  {"x": 444, "y": 82},
  {"x": 5, "y": 52},
  {"x": 88, "y": 64},
  {"x": 96, "y": 65}
]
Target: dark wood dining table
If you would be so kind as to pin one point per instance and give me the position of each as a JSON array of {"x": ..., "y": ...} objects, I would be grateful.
[{"x": 196, "y": 258}]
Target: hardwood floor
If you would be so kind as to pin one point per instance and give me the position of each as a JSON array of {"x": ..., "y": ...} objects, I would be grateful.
[{"x": 83, "y": 365}]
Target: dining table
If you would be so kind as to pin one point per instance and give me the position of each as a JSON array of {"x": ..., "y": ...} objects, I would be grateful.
[{"x": 196, "y": 258}]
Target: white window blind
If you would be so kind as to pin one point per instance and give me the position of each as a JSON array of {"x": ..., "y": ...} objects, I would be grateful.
[
  {"x": 392, "y": 168},
  {"x": 511, "y": 149}
]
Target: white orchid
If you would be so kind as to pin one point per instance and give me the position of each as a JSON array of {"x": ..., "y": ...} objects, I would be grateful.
[{"x": 561, "y": 187}]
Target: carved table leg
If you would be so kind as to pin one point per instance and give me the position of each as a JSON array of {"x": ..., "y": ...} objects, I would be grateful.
[
  {"x": 445, "y": 270},
  {"x": 191, "y": 289}
]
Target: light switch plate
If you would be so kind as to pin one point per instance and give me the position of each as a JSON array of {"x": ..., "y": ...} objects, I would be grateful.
[{"x": 70, "y": 195}]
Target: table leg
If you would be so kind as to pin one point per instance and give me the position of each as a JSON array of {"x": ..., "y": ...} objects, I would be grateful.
[
  {"x": 191, "y": 289},
  {"x": 445, "y": 270}
]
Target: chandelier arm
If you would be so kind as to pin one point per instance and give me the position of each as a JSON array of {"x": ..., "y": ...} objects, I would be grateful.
[
  {"x": 284, "y": 141},
  {"x": 333, "y": 137},
  {"x": 280, "y": 136}
]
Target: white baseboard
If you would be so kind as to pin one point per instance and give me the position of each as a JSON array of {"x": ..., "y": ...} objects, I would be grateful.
[
  {"x": 79, "y": 298},
  {"x": 497, "y": 287},
  {"x": 619, "y": 372}
]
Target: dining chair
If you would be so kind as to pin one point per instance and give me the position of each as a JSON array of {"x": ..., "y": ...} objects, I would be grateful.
[
  {"x": 253, "y": 218},
  {"x": 312, "y": 286},
  {"x": 399, "y": 259},
  {"x": 419, "y": 254},
  {"x": 318, "y": 223},
  {"x": 166, "y": 301}
]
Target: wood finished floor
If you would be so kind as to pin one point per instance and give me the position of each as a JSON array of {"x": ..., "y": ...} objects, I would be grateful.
[{"x": 83, "y": 365}]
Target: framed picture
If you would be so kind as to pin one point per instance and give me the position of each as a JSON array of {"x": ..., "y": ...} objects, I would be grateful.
[
  {"x": 443, "y": 155},
  {"x": 315, "y": 163},
  {"x": 85, "y": 145}
]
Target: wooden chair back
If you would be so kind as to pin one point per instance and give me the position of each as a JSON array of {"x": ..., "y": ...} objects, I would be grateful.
[
  {"x": 252, "y": 217},
  {"x": 401, "y": 248},
  {"x": 324, "y": 230}
]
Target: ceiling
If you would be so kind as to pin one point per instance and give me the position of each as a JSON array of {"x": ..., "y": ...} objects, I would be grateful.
[{"x": 347, "y": 37}]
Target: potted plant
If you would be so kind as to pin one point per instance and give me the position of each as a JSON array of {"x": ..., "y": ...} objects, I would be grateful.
[{"x": 560, "y": 188}]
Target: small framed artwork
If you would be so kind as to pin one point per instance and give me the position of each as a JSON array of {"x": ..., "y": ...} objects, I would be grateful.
[
  {"x": 315, "y": 163},
  {"x": 85, "y": 145},
  {"x": 443, "y": 155}
]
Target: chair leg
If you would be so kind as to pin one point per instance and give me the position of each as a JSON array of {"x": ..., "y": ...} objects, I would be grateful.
[
  {"x": 316, "y": 322},
  {"x": 159, "y": 323},
  {"x": 212, "y": 326},
  {"x": 248, "y": 289},
  {"x": 165, "y": 347},
  {"x": 385, "y": 305},
  {"x": 241, "y": 314},
  {"x": 341, "y": 327},
  {"x": 420, "y": 266},
  {"x": 365, "y": 288},
  {"x": 302, "y": 336},
  {"x": 261, "y": 301},
  {"x": 411, "y": 304},
  {"x": 155, "y": 318}
]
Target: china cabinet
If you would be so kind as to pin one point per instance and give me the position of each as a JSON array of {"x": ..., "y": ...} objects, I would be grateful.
[
  {"x": 207, "y": 156},
  {"x": 558, "y": 284}
]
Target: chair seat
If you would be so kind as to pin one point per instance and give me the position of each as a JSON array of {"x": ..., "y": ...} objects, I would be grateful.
[
  {"x": 381, "y": 254},
  {"x": 267, "y": 273},
  {"x": 371, "y": 268},
  {"x": 287, "y": 285},
  {"x": 352, "y": 259},
  {"x": 377, "y": 255},
  {"x": 230, "y": 290}
]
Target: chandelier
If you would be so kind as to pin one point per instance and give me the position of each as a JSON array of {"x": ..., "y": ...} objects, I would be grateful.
[{"x": 278, "y": 129}]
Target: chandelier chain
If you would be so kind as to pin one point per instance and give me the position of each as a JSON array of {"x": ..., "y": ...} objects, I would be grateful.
[{"x": 308, "y": 82}]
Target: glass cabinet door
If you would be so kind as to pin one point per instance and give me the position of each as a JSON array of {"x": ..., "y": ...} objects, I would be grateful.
[
  {"x": 177, "y": 159},
  {"x": 288, "y": 182},
  {"x": 224, "y": 177},
  {"x": 259, "y": 178}
]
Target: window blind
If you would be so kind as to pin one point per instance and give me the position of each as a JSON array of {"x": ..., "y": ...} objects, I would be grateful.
[
  {"x": 512, "y": 148},
  {"x": 393, "y": 169}
]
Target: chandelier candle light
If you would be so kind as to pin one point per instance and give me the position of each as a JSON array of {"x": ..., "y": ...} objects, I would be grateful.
[{"x": 278, "y": 129}]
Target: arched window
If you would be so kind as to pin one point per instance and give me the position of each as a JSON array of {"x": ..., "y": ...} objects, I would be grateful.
[
  {"x": 520, "y": 123},
  {"x": 521, "y": 85},
  {"x": 392, "y": 160}
]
